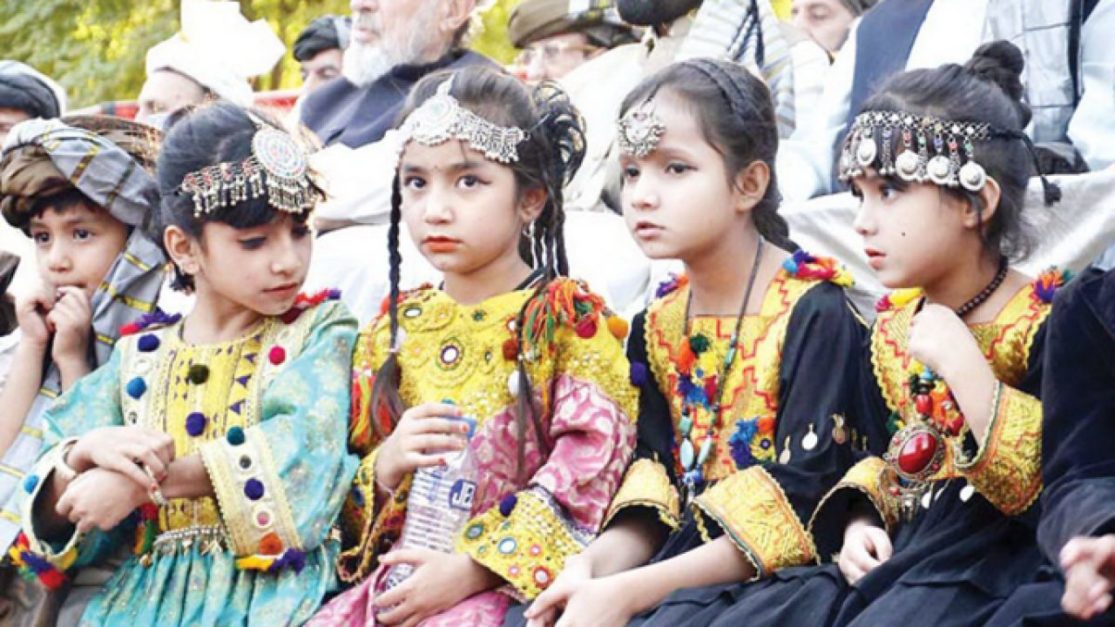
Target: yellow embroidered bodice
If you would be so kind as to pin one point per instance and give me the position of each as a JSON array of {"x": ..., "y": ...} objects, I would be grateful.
[
  {"x": 1005, "y": 342},
  {"x": 466, "y": 354},
  {"x": 221, "y": 383},
  {"x": 753, "y": 383}
]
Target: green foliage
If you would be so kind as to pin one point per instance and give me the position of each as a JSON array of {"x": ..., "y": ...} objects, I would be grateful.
[{"x": 491, "y": 40}]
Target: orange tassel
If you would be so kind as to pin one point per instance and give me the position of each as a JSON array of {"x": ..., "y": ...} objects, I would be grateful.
[{"x": 619, "y": 327}]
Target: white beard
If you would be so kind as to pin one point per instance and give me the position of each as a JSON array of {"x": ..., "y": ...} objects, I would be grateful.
[{"x": 364, "y": 64}]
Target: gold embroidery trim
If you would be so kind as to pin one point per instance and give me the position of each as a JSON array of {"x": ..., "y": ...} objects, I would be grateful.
[
  {"x": 864, "y": 477},
  {"x": 753, "y": 510},
  {"x": 379, "y": 527},
  {"x": 1007, "y": 468},
  {"x": 647, "y": 484},
  {"x": 528, "y": 548}
]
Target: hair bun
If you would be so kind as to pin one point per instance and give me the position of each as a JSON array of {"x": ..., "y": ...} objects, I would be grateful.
[
  {"x": 999, "y": 62},
  {"x": 563, "y": 125}
]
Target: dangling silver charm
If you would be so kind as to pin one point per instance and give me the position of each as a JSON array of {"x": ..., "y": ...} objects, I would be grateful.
[
  {"x": 939, "y": 169},
  {"x": 809, "y": 440},
  {"x": 906, "y": 166},
  {"x": 784, "y": 456},
  {"x": 866, "y": 151},
  {"x": 972, "y": 176}
]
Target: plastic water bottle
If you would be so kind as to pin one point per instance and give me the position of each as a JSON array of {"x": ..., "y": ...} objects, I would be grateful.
[{"x": 438, "y": 506}]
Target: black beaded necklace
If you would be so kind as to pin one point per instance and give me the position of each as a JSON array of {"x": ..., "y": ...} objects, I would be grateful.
[{"x": 986, "y": 293}]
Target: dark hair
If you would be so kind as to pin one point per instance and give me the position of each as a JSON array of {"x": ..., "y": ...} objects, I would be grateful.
[
  {"x": 986, "y": 89},
  {"x": 736, "y": 116},
  {"x": 60, "y": 203},
  {"x": 548, "y": 159},
  {"x": 200, "y": 137}
]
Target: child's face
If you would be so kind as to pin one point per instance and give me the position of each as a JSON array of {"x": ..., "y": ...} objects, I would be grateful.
[
  {"x": 677, "y": 200},
  {"x": 463, "y": 211},
  {"x": 76, "y": 246},
  {"x": 913, "y": 233},
  {"x": 260, "y": 268}
]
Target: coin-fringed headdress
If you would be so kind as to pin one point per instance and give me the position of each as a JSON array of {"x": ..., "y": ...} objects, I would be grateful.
[
  {"x": 277, "y": 166},
  {"x": 442, "y": 118},
  {"x": 916, "y": 148}
]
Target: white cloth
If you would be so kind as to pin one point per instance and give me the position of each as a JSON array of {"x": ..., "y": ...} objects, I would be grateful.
[
  {"x": 1091, "y": 129},
  {"x": 8, "y": 345},
  {"x": 218, "y": 48},
  {"x": 1070, "y": 234},
  {"x": 952, "y": 31}
]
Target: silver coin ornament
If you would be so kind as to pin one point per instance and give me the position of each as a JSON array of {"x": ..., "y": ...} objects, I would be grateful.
[
  {"x": 906, "y": 165},
  {"x": 972, "y": 176},
  {"x": 939, "y": 168}
]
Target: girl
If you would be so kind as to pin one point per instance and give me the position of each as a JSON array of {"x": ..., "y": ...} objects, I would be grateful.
[
  {"x": 211, "y": 445},
  {"x": 535, "y": 359},
  {"x": 749, "y": 409},
  {"x": 940, "y": 529}
]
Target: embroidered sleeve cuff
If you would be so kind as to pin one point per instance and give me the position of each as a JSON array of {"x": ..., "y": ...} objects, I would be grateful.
[
  {"x": 31, "y": 554},
  {"x": 753, "y": 510},
  {"x": 1006, "y": 469},
  {"x": 647, "y": 484},
  {"x": 525, "y": 540},
  {"x": 861, "y": 482},
  {"x": 370, "y": 530},
  {"x": 252, "y": 498}
]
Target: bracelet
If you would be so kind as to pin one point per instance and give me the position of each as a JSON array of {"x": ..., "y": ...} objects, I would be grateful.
[
  {"x": 155, "y": 493},
  {"x": 61, "y": 467}
]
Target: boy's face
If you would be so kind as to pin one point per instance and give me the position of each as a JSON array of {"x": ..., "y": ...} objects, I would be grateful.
[{"x": 76, "y": 245}]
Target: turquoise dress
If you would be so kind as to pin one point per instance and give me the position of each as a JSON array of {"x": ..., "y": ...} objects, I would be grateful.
[{"x": 267, "y": 413}]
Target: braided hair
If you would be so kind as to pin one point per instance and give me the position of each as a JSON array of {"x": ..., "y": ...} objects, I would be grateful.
[
  {"x": 735, "y": 112},
  {"x": 548, "y": 159}
]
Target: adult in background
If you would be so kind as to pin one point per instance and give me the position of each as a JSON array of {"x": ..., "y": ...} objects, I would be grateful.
[
  {"x": 25, "y": 94},
  {"x": 827, "y": 21},
  {"x": 212, "y": 57},
  {"x": 394, "y": 44},
  {"x": 320, "y": 49},
  {"x": 557, "y": 36}
]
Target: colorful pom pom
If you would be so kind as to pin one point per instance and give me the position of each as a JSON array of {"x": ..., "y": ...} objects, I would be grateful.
[
  {"x": 253, "y": 489},
  {"x": 618, "y": 327},
  {"x": 30, "y": 482},
  {"x": 198, "y": 374},
  {"x": 270, "y": 544},
  {"x": 507, "y": 505},
  {"x": 148, "y": 343},
  {"x": 235, "y": 436},
  {"x": 136, "y": 387},
  {"x": 1045, "y": 286},
  {"x": 276, "y": 355},
  {"x": 586, "y": 327},
  {"x": 195, "y": 424}
]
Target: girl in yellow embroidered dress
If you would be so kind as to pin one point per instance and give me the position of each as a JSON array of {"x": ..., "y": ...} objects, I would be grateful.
[
  {"x": 534, "y": 358},
  {"x": 212, "y": 447}
]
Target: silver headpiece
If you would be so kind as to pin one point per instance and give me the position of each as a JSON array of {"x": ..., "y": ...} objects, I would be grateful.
[
  {"x": 931, "y": 149},
  {"x": 442, "y": 118},
  {"x": 277, "y": 165},
  {"x": 640, "y": 131}
]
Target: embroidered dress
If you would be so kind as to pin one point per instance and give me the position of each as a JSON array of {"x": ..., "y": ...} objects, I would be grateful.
[
  {"x": 969, "y": 541},
  {"x": 523, "y": 528},
  {"x": 790, "y": 424},
  {"x": 266, "y": 413}
]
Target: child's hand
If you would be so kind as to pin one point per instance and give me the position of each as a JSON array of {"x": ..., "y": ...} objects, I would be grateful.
[
  {"x": 419, "y": 439},
  {"x": 123, "y": 450},
  {"x": 865, "y": 547},
  {"x": 1089, "y": 565},
  {"x": 439, "y": 581},
  {"x": 71, "y": 318},
  {"x": 100, "y": 499},
  {"x": 31, "y": 313},
  {"x": 576, "y": 575},
  {"x": 603, "y": 602},
  {"x": 939, "y": 339}
]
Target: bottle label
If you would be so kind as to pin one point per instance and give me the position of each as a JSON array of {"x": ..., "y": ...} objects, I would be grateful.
[{"x": 460, "y": 496}]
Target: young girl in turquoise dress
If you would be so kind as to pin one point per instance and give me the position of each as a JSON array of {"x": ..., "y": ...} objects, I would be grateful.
[{"x": 211, "y": 446}]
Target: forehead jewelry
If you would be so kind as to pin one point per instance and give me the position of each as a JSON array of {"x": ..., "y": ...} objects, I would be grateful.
[
  {"x": 442, "y": 118},
  {"x": 916, "y": 148},
  {"x": 640, "y": 131},
  {"x": 277, "y": 166}
]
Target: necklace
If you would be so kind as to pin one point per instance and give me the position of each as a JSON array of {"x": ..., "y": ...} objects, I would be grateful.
[
  {"x": 917, "y": 451},
  {"x": 710, "y": 391},
  {"x": 985, "y": 293}
]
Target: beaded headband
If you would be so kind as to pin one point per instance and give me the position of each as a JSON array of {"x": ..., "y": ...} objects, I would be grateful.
[
  {"x": 277, "y": 166},
  {"x": 931, "y": 149},
  {"x": 442, "y": 118},
  {"x": 639, "y": 131}
]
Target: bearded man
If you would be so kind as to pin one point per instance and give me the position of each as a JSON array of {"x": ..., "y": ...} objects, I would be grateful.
[{"x": 394, "y": 44}]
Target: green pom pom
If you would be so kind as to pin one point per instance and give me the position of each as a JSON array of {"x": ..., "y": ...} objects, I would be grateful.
[
  {"x": 699, "y": 343},
  {"x": 235, "y": 436}
]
